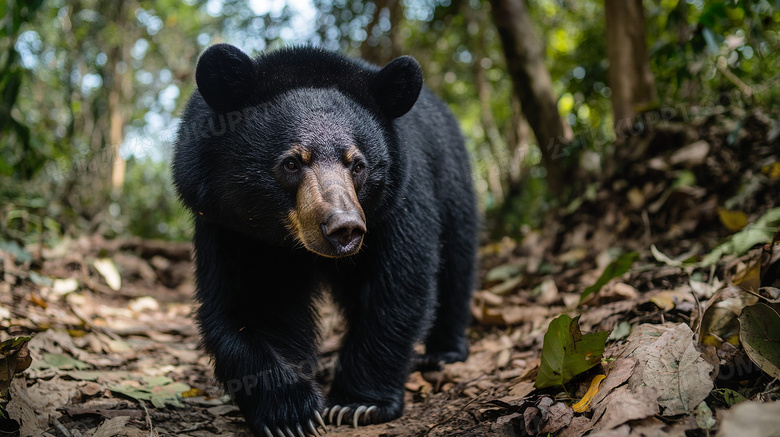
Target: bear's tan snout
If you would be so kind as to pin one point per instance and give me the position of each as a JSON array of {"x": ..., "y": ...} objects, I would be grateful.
[
  {"x": 328, "y": 219},
  {"x": 344, "y": 230}
]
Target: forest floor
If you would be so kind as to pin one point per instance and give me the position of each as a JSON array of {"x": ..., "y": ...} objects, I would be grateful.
[{"x": 677, "y": 246}]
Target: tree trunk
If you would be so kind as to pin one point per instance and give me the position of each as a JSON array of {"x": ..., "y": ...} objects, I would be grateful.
[
  {"x": 396, "y": 18},
  {"x": 120, "y": 82},
  {"x": 533, "y": 86},
  {"x": 370, "y": 49},
  {"x": 498, "y": 147},
  {"x": 518, "y": 141},
  {"x": 383, "y": 49},
  {"x": 630, "y": 78}
]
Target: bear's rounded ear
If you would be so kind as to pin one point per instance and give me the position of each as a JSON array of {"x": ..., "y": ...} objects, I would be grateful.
[
  {"x": 397, "y": 86},
  {"x": 226, "y": 77}
]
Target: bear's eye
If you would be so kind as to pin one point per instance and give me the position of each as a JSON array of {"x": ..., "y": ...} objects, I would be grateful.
[
  {"x": 358, "y": 168},
  {"x": 290, "y": 165}
]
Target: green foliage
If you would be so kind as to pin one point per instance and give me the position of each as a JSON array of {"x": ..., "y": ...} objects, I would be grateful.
[
  {"x": 761, "y": 231},
  {"x": 693, "y": 43},
  {"x": 27, "y": 216},
  {"x": 24, "y": 158},
  {"x": 576, "y": 55},
  {"x": 147, "y": 207},
  {"x": 730, "y": 397},
  {"x": 759, "y": 333},
  {"x": 161, "y": 391},
  {"x": 566, "y": 352},
  {"x": 69, "y": 56},
  {"x": 60, "y": 60},
  {"x": 60, "y": 362},
  {"x": 615, "y": 269}
]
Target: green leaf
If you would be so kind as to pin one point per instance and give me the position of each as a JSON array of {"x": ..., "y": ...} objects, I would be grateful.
[
  {"x": 730, "y": 396},
  {"x": 60, "y": 361},
  {"x": 159, "y": 390},
  {"x": 12, "y": 344},
  {"x": 616, "y": 268},
  {"x": 566, "y": 352},
  {"x": 703, "y": 415},
  {"x": 761, "y": 231},
  {"x": 503, "y": 272},
  {"x": 759, "y": 332},
  {"x": 22, "y": 256},
  {"x": 154, "y": 381}
]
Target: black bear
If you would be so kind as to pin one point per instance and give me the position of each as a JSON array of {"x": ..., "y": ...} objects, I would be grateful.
[{"x": 310, "y": 172}]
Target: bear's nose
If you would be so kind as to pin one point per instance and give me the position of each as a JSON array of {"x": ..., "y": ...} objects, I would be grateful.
[{"x": 344, "y": 230}]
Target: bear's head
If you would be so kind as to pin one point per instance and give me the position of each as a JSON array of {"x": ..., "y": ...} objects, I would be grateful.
[{"x": 295, "y": 147}]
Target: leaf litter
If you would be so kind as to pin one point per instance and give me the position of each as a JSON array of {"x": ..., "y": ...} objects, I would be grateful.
[{"x": 667, "y": 273}]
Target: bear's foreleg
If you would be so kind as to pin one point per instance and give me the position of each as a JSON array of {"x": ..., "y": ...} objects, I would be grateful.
[
  {"x": 388, "y": 306},
  {"x": 257, "y": 323}
]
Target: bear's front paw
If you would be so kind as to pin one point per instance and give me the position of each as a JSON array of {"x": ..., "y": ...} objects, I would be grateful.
[
  {"x": 283, "y": 410},
  {"x": 362, "y": 414},
  {"x": 308, "y": 427}
]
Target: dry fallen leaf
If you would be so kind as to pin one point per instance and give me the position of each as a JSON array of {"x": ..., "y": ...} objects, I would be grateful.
[
  {"x": 750, "y": 419},
  {"x": 691, "y": 155},
  {"x": 623, "y": 405},
  {"x": 108, "y": 270},
  {"x": 548, "y": 292},
  {"x": 416, "y": 383},
  {"x": 669, "y": 299},
  {"x": 579, "y": 426},
  {"x": 749, "y": 277},
  {"x": 25, "y": 410},
  {"x": 522, "y": 389},
  {"x": 622, "y": 369},
  {"x": 673, "y": 365},
  {"x": 112, "y": 427},
  {"x": 61, "y": 287},
  {"x": 144, "y": 303},
  {"x": 584, "y": 403},
  {"x": 559, "y": 415},
  {"x": 663, "y": 300},
  {"x": 732, "y": 220},
  {"x": 720, "y": 321}
]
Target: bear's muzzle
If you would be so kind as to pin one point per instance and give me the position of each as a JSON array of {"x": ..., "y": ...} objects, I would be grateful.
[{"x": 328, "y": 218}]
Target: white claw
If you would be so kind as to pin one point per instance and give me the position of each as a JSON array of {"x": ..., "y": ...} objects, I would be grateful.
[
  {"x": 279, "y": 432},
  {"x": 300, "y": 431},
  {"x": 344, "y": 411},
  {"x": 313, "y": 429},
  {"x": 289, "y": 432},
  {"x": 333, "y": 409},
  {"x": 370, "y": 410},
  {"x": 267, "y": 432},
  {"x": 319, "y": 419},
  {"x": 356, "y": 417}
]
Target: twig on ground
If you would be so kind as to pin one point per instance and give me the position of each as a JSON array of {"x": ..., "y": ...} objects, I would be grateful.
[
  {"x": 148, "y": 419},
  {"x": 58, "y": 426}
]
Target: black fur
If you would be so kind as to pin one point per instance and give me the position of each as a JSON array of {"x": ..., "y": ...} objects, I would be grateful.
[{"x": 256, "y": 285}]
